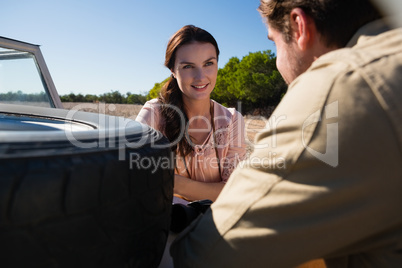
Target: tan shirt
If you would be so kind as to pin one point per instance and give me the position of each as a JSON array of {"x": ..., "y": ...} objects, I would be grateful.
[
  {"x": 326, "y": 180},
  {"x": 228, "y": 139}
]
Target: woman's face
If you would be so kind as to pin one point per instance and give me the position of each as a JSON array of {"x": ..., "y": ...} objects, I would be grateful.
[{"x": 196, "y": 69}]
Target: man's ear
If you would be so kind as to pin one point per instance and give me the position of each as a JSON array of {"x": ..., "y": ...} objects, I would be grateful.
[{"x": 303, "y": 28}]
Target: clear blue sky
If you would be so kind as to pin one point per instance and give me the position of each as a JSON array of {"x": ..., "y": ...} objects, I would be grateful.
[{"x": 96, "y": 46}]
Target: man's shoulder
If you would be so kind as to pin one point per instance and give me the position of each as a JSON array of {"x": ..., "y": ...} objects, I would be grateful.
[
  {"x": 364, "y": 49},
  {"x": 361, "y": 58}
]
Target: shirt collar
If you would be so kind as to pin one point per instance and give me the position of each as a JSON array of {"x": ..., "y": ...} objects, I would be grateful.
[{"x": 373, "y": 28}]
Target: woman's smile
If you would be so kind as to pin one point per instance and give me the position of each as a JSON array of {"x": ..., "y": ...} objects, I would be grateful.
[{"x": 200, "y": 87}]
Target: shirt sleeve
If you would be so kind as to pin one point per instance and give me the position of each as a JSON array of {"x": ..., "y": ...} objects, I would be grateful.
[{"x": 149, "y": 114}]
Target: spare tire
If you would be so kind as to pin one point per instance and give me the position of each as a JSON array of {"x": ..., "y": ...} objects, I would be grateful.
[{"x": 80, "y": 189}]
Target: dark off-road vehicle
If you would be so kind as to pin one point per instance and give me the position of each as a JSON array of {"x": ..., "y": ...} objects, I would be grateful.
[{"x": 77, "y": 189}]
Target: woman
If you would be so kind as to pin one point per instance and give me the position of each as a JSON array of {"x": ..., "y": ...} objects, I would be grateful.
[{"x": 208, "y": 138}]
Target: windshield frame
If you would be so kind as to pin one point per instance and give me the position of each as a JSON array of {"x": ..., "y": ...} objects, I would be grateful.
[{"x": 47, "y": 81}]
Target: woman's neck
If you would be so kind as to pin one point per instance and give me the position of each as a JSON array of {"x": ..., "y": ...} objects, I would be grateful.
[
  {"x": 200, "y": 117},
  {"x": 197, "y": 107}
]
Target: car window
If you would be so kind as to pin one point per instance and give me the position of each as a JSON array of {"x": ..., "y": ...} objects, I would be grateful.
[{"x": 21, "y": 81}]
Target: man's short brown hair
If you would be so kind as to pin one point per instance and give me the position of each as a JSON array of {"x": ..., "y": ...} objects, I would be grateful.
[{"x": 336, "y": 20}]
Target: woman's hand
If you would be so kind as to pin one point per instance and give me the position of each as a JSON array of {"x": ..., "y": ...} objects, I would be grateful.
[{"x": 197, "y": 190}]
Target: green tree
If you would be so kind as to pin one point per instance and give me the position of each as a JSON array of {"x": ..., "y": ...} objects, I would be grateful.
[
  {"x": 68, "y": 98},
  {"x": 112, "y": 97},
  {"x": 254, "y": 80},
  {"x": 136, "y": 99},
  {"x": 154, "y": 92},
  {"x": 91, "y": 98},
  {"x": 79, "y": 98},
  {"x": 227, "y": 91}
]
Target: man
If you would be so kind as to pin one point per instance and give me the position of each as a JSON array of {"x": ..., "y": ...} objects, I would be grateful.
[{"x": 325, "y": 179}]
